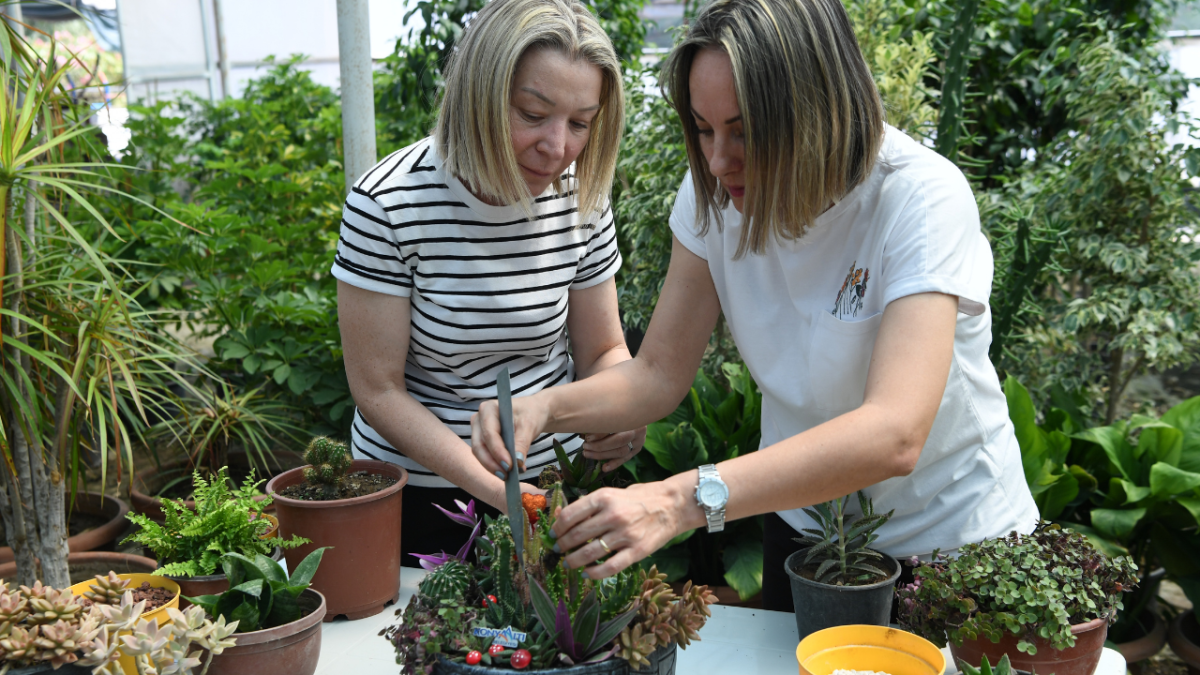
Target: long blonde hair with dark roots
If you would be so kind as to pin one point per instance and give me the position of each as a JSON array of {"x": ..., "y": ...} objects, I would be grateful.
[
  {"x": 473, "y": 134},
  {"x": 812, "y": 118}
]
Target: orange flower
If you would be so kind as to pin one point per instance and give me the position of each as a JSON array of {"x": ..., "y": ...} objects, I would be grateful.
[{"x": 532, "y": 504}]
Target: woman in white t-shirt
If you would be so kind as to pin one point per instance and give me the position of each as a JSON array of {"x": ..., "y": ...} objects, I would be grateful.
[
  {"x": 850, "y": 266},
  {"x": 477, "y": 249}
]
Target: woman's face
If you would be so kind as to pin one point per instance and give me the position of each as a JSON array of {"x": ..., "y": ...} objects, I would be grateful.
[
  {"x": 553, "y": 103},
  {"x": 715, "y": 110}
]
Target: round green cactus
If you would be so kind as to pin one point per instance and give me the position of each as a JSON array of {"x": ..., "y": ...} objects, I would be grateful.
[
  {"x": 448, "y": 581},
  {"x": 329, "y": 460}
]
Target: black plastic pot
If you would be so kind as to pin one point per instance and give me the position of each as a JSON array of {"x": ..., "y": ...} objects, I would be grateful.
[
  {"x": 662, "y": 662},
  {"x": 820, "y": 606}
]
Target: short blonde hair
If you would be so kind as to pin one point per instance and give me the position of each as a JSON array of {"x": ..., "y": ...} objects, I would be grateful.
[
  {"x": 473, "y": 134},
  {"x": 812, "y": 118}
]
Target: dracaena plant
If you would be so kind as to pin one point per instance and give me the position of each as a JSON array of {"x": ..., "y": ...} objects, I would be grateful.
[
  {"x": 839, "y": 553},
  {"x": 82, "y": 362}
]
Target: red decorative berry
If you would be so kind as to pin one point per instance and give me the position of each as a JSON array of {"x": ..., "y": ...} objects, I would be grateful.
[
  {"x": 496, "y": 650},
  {"x": 487, "y": 599},
  {"x": 473, "y": 657},
  {"x": 520, "y": 659}
]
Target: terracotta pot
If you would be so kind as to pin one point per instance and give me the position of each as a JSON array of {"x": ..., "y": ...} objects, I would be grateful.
[
  {"x": 209, "y": 584},
  {"x": 88, "y": 564},
  {"x": 290, "y": 649},
  {"x": 91, "y": 503},
  {"x": 1184, "y": 638},
  {"x": 1078, "y": 660},
  {"x": 1149, "y": 644},
  {"x": 151, "y": 480},
  {"x": 361, "y": 573}
]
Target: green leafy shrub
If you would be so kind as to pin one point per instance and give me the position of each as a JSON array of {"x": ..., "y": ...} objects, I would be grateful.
[
  {"x": 1032, "y": 586},
  {"x": 840, "y": 550},
  {"x": 190, "y": 543},
  {"x": 710, "y": 426},
  {"x": 261, "y": 594}
]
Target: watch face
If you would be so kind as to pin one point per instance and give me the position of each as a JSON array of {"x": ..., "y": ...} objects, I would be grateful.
[{"x": 713, "y": 494}]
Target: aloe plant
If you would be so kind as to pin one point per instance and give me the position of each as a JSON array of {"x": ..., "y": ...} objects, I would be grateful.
[
  {"x": 840, "y": 549},
  {"x": 77, "y": 351}
]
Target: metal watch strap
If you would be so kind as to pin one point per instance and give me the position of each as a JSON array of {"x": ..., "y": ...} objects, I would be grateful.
[{"x": 715, "y": 517}]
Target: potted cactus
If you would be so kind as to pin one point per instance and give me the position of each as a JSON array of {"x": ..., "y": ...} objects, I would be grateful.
[
  {"x": 278, "y": 617},
  {"x": 353, "y": 508},
  {"x": 837, "y": 579},
  {"x": 1043, "y": 599},
  {"x": 486, "y": 610}
]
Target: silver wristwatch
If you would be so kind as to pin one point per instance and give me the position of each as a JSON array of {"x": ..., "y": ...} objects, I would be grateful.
[{"x": 712, "y": 494}]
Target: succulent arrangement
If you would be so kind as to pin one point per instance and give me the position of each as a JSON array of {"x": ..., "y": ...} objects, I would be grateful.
[
  {"x": 329, "y": 460},
  {"x": 261, "y": 594},
  {"x": 1003, "y": 667},
  {"x": 484, "y": 605},
  {"x": 1033, "y": 586},
  {"x": 839, "y": 553},
  {"x": 43, "y": 625},
  {"x": 190, "y": 542}
]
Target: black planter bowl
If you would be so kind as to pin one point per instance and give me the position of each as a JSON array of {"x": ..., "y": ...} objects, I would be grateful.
[
  {"x": 820, "y": 606},
  {"x": 662, "y": 662}
]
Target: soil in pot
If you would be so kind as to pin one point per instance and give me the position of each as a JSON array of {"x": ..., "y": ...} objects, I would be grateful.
[
  {"x": 360, "y": 574},
  {"x": 820, "y": 606},
  {"x": 357, "y": 484},
  {"x": 291, "y": 649},
  {"x": 1078, "y": 660},
  {"x": 95, "y": 522}
]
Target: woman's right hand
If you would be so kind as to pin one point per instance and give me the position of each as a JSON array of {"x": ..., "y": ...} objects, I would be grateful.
[{"x": 530, "y": 416}]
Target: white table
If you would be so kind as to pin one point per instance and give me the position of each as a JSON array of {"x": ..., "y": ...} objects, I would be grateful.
[{"x": 735, "y": 640}]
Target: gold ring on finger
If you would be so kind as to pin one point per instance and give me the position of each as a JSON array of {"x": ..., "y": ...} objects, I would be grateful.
[{"x": 606, "y": 548}]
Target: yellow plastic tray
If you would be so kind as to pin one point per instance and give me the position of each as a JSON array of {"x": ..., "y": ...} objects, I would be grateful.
[
  {"x": 159, "y": 615},
  {"x": 878, "y": 648}
]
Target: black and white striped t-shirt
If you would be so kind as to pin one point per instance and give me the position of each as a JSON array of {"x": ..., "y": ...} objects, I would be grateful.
[{"x": 488, "y": 289}]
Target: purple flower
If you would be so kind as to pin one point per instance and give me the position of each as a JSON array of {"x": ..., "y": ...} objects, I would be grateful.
[
  {"x": 466, "y": 548},
  {"x": 466, "y": 517},
  {"x": 432, "y": 562}
]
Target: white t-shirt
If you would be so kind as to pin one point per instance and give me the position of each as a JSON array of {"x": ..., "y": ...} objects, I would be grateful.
[
  {"x": 805, "y": 315},
  {"x": 488, "y": 286}
]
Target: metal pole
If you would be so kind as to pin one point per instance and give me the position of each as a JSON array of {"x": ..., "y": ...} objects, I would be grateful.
[
  {"x": 358, "y": 91},
  {"x": 208, "y": 60},
  {"x": 222, "y": 50}
]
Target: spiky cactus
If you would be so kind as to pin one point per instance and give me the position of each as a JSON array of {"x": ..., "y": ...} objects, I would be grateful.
[
  {"x": 449, "y": 581},
  {"x": 107, "y": 590},
  {"x": 329, "y": 460}
]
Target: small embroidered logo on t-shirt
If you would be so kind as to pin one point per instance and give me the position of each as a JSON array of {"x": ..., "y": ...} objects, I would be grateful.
[{"x": 854, "y": 289}]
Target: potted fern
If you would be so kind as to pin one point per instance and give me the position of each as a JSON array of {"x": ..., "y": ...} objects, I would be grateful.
[
  {"x": 190, "y": 542},
  {"x": 351, "y": 506},
  {"x": 837, "y": 579}
]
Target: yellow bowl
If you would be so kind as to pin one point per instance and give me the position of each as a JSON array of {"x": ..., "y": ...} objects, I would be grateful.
[
  {"x": 159, "y": 615},
  {"x": 876, "y": 648}
]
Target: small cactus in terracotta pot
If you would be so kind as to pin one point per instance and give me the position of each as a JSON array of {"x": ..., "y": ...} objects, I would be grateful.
[{"x": 329, "y": 460}]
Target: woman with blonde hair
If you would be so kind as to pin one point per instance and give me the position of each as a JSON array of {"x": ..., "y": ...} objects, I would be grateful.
[
  {"x": 850, "y": 265},
  {"x": 481, "y": 248}
]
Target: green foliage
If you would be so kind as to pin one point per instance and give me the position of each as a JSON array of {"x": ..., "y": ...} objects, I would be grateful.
[
  {"x": 328, "y": 462},
  {"x": 1117, "y": 189},
  {"x": 261, "y": 595},
  {"x": 900, "y": 61},
  {"x": 261, "y": 188},
  {"x": 840, "y": 550},
  {"x": 710, "y": 426},
  {"x": 1032, "y": 586},
  {"x": 190, "y": 543},
  {"x": 1003, "y": 667}
]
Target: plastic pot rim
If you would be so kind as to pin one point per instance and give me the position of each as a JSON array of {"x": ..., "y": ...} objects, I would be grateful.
[
  {"x": 890, "y": 581},
  {"x": 296, "y": 476}
]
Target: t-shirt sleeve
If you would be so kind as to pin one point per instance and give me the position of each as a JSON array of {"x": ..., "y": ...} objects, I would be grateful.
[
  {"x": 936, "y": 244},
  {"x": 683, "y": 219},
  {"x": 369, "y": 255},
  {"x": 602, "y": 259}
]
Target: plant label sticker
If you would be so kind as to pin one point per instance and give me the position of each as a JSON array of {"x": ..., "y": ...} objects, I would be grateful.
[{"x": 506, "y": 636}]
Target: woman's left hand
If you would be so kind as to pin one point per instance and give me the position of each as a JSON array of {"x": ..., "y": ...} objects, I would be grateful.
[
  {"x": 624, "y": 524},
  {"x": 617, "y": 448}
]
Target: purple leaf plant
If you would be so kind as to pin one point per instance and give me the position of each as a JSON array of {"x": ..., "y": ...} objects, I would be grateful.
[{"x": 466, "y": 516}]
